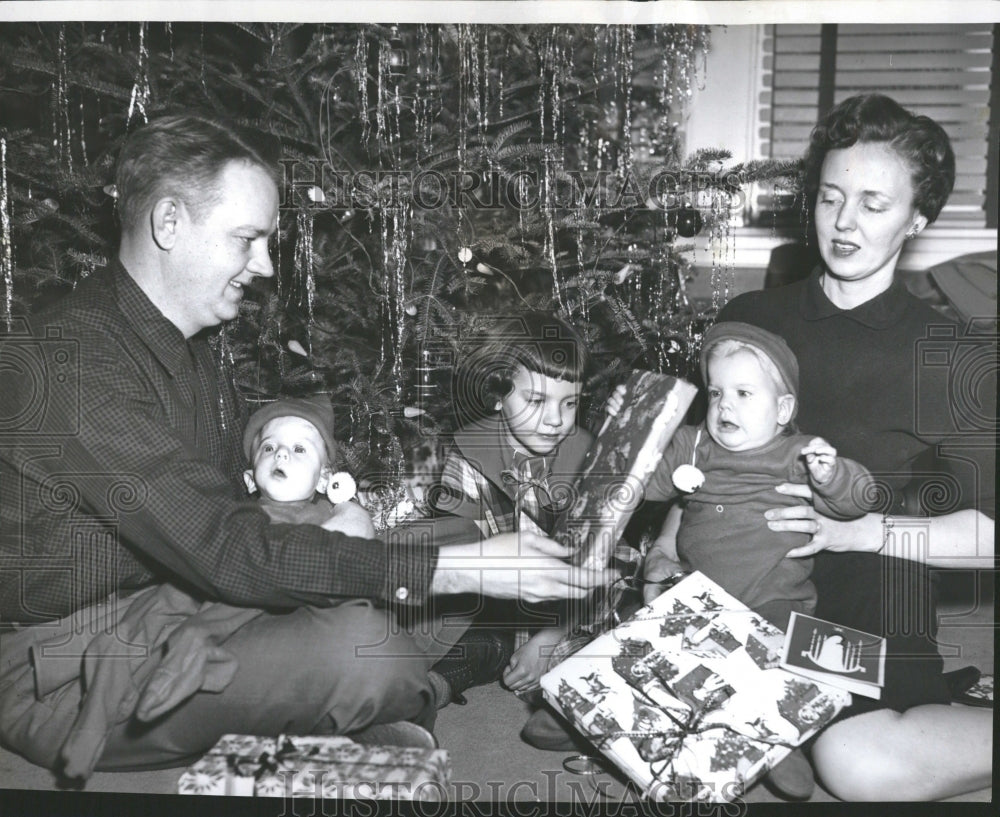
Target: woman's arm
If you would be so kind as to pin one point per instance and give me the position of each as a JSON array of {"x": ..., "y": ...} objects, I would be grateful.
[{"x": 960, "y": 539}]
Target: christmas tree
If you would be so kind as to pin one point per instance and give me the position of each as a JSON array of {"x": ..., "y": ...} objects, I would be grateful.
[{"x": 436, "y": 177}]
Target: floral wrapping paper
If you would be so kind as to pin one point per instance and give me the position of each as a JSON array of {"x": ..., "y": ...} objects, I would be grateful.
[
  {"x": 319, "y": 767},
  {"x": 687, "y": 698}
]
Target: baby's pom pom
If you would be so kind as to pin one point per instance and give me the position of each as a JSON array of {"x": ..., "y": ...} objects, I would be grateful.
[
  {"x": 687, "y": 478},
  {"x": 341, "y": 487}
]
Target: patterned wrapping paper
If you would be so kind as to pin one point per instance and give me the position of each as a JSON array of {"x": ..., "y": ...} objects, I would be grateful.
[
  {"x": 318, "y": 767},
  {"x": 687, "y": 697},
  {"x": 620, "y": 463}
]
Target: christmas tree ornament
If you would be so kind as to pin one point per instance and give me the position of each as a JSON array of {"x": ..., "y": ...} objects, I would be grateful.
[
  {"x": 6, "y": 243},
  {"x": 305, "y": 271},
  {"x": 63, "y": 136},
  {"x": 140, "y": 89},
  {"x": 689, "y": 222},
  {"x": 399, "y": 58},
  {"x": 361, "y": 77},
  {"x": 465, "y": 255}
]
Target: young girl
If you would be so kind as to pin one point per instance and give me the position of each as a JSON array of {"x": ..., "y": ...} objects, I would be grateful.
[{"x": 509, "y": 470}]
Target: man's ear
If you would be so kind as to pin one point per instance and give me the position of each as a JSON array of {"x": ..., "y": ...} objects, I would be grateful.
[
  {"x": 324, "y": 479},
  {"x": 164, "y": 217},
  {"x": 786, "y": 408},
  {"x": 248, "y": 481}
]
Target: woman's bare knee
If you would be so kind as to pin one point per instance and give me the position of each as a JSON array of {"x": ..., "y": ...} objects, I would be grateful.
[{"x": 929, "y": 752}]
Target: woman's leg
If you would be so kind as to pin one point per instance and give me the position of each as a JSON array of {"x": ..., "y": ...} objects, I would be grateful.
[{"x": 928, "y": 752}]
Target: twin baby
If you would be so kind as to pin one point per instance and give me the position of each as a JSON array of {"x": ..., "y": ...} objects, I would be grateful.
[{"x": 291, "y": 449}]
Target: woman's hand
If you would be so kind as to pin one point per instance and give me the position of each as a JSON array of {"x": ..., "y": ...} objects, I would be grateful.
[{"x": 864, "y": 534}]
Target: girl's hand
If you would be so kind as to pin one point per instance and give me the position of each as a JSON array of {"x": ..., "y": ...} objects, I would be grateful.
[
  {"x": 864, "y": 534},
  {"x": 615, "y": 401},
  {"x": 821, "y": 459},
  {"x": 657, "y": 567}
]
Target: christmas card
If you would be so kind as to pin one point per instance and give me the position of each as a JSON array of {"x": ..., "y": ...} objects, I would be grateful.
[
  {"x": 620, "y": 463},
  {"x": 840, "y": 656}
]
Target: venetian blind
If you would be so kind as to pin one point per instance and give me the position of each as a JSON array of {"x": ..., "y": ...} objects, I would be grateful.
[{"x": 942, "y": 71}]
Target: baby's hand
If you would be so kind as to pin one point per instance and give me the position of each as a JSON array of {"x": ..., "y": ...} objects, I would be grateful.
[
  {"x": 616, "y": 400},
  {"x": 821, "y": 459}
]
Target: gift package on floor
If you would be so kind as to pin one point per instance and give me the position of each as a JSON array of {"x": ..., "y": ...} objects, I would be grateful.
[
  {"x": 687, "y": 698},
  {"x": 320, "y": 767}
]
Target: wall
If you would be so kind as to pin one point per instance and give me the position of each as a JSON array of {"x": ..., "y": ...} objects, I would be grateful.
[{"x": 723, "y": 114}]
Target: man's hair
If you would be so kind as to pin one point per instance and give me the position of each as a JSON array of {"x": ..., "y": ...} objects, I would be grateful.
[
  {"x": 919, "y": 141},
  {"x": 182, "y": 156}
]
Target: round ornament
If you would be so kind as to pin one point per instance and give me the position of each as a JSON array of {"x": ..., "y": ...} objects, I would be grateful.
[
  {"x": 689, "y": 222},
  {"x": 687, "y": 478},
  {"x": 465, "y": 255}
]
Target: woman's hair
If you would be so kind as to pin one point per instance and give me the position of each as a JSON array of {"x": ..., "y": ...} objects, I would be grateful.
[
  {"x": 182, "y": 156},
  {"x": 537, "y": 340},
  {"x": 918, "y": 140}
]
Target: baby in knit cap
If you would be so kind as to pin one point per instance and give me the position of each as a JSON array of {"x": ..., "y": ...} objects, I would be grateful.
[
  {"x": 727, "y": 468},
  {"x": 290, "y": 446}
]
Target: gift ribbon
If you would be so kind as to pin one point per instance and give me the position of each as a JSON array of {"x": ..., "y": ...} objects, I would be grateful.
[
  {"x": 285, "y": 758},
  {"x": 664, "y": 773},
  {"x": 692, "y": 725}
]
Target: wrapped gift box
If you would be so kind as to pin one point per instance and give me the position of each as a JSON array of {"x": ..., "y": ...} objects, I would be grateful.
[
  {"x": 318, "y": 767},
  {"x": 687, "y": 698},
  {"x": 620, "y": 464}
]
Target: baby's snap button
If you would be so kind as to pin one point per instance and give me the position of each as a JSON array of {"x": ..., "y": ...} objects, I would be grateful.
[
  {"x": 402, "y": 593},
  {"x": 719, "y": 508}
]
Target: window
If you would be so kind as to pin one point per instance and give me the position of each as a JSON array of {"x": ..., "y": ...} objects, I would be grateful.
[{"x": 943, "y": 71}]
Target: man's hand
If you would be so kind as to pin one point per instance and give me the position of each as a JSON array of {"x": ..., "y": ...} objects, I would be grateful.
[
  {"x": 821, "y": 460},
  {"x": 514, "y": 565}
]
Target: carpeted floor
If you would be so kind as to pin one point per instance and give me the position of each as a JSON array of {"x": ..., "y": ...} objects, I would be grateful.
[{"x": 491, "y": 763}]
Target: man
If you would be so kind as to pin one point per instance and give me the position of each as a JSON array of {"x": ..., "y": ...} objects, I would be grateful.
[{"x": 122, "y": 521}]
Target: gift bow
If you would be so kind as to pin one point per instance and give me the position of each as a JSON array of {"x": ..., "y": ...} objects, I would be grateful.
[
  {"x": 662, "y": 768},
  {"x": 288, "y": 754}
]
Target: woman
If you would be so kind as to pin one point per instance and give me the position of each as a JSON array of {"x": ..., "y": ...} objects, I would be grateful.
[{"x": 878, "y": 175}]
